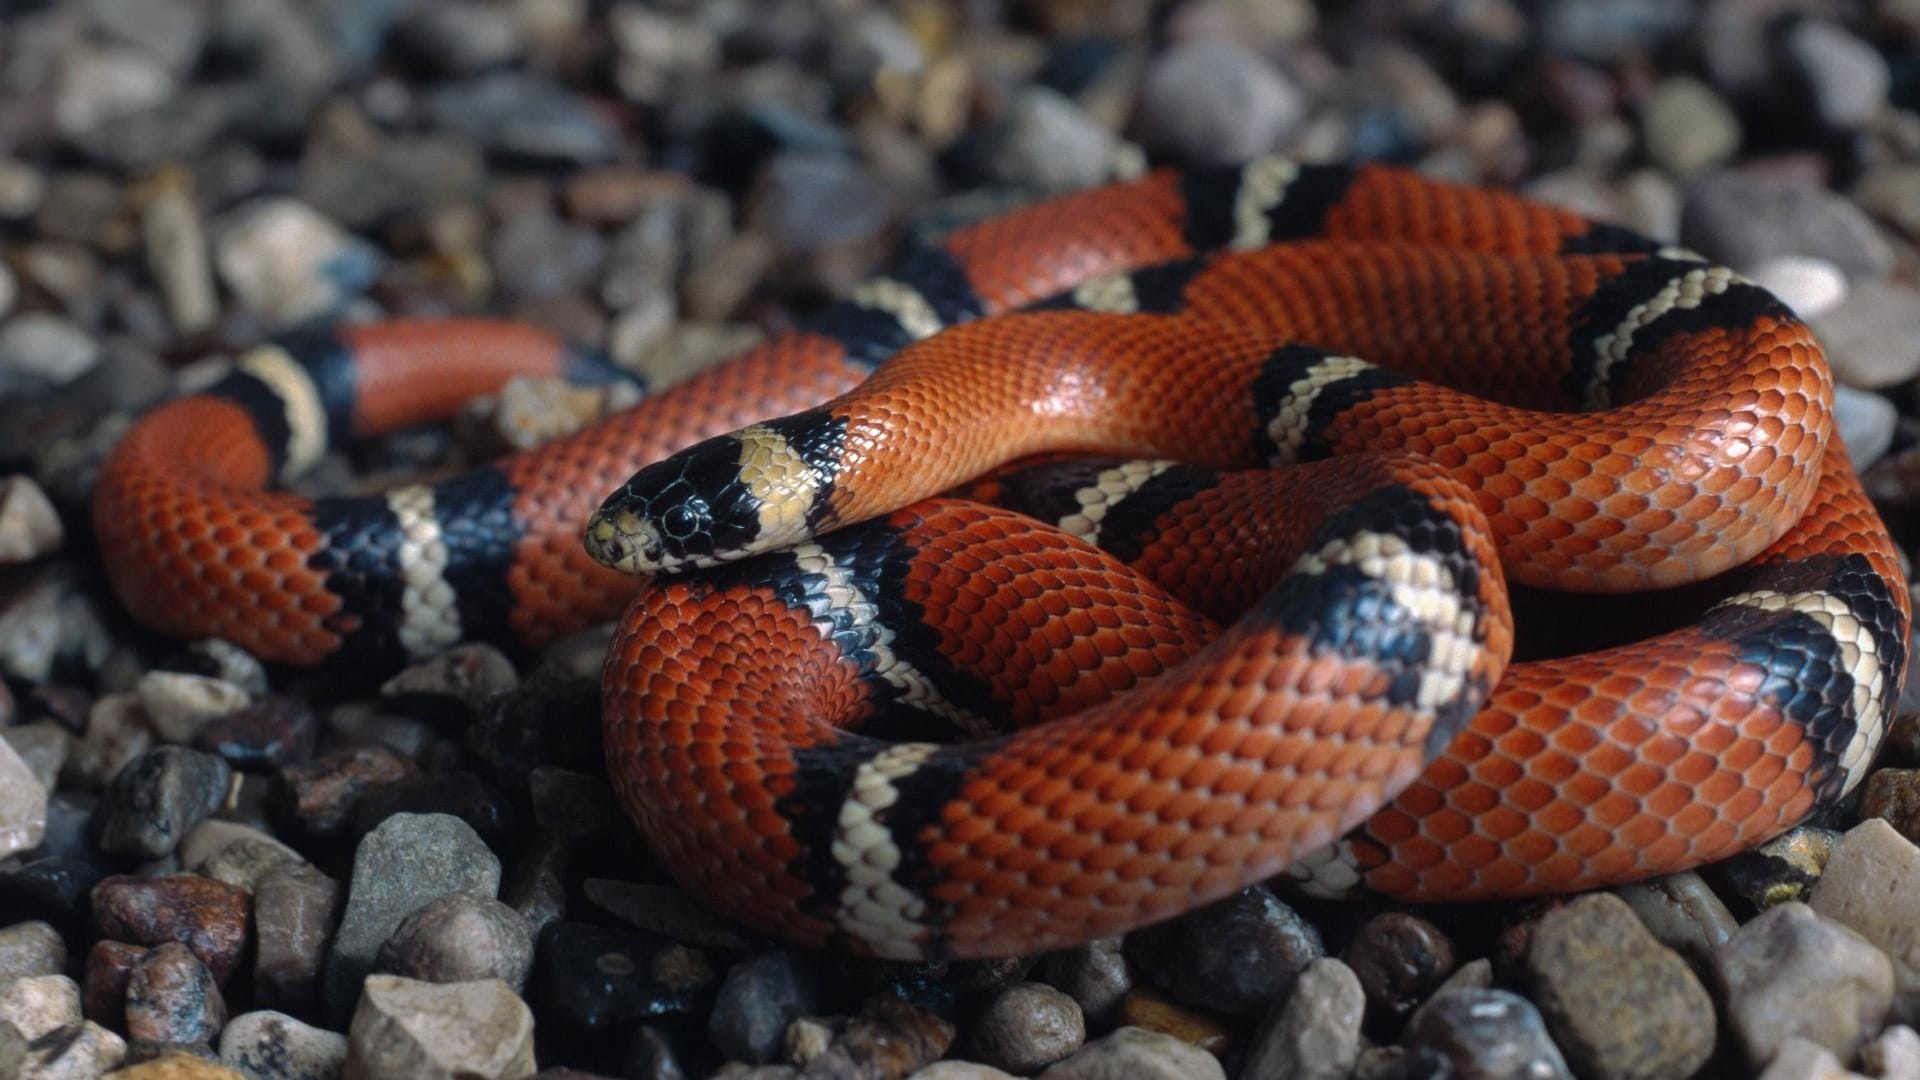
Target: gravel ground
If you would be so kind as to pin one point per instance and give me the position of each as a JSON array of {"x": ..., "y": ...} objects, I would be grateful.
[{"x": 211, "y": 869}]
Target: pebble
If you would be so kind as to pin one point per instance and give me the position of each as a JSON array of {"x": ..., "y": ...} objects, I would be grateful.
[
  {"x": 404, "y": 862},
  {"x": 1893, "y": 795},
  {"x": 77, "y": 1052},
  {"x": 1234, "y": 956},
  {"x": 43, "y": 746},
  {"x": 1215, "y": 100},
  {"x": 171, "y": 997},
  {"x": 109, "y": 969},
  {"x": 592, "y": 978},
  {"x": 1399, "y": 959},
  {"x": 295, "y": 910},
  {"x": 1619, "y": 1003},
  {"x": 175, "y": 239},
  {"x": 1894, "y": 1054},
  {"x": 289, "y": 264},
  {"x": 537, "y": 887},
  {"x": 1743, "y": 218},
  {"x": 461, "y": 794},
  {"x": 98, "y": 83},
  {"x": 207, "y": 916},
  {"x": 1810, "y": 286},
  {"x": 960, "y": 1070},
  {"x": 320, "y": 796},
  {"x": 1314, "y": 1032},
  {"x": 23, "y": 803},
  {"x": 1047, "y": 142},
  {"x": 526, "y": 116},
  {"x": 1096, "y": 975},
  {"x": 158, "y": 798},
  {"x": 808, "y": 201},
  {"x": 29, "y": 526},
  {"x": 460, "y": 937},
  {"x": 890, "y": 1038},
  {"x": 1136, "y": 1053},
  {"x": 1608, "y": 31},
  {"x": 1803, "y": 1059},
  {"x": 1849, "y": 79},
  {"x": 179, "y": 704},
  {"x": 1872, "y": 338},
  {"x": 147, "y": 1060},
  {"x": 236, "y": 854},
  {"x": 30, "y": 949},
  {"x": 264, "y": 736},
  {"x": 1688, "y": 127},
  {"x": 471, "y": 674},
  {"x": 21, "y": 188},
  {"x": 268, "y": 1045},
  {"x": 1890, "y": 190},
  {"x": 38, "y": 1004},
  {"x": 1866, "y": 422},
  {"x": 439, "y": 1031},
  {"x": 39, "y": 351},
  {"x": 1790, "y": 972},
  {"x": 1486, "y": 1035},
  {"x": 1026, "y": 1027},
  {"x": 1145, "y": 1008},
  {"x": 1872, "y": 887},
  {"x": 1683, "y": 914},
  {"x": 572, "y": 804},
  {"x": 758, "y": 999}
]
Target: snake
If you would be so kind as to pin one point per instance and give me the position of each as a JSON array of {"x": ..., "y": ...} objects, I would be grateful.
[{"x": 1111, "y": 554}]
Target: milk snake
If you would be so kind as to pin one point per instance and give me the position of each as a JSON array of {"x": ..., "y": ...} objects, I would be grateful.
[{"x": 1603, "y": 414}]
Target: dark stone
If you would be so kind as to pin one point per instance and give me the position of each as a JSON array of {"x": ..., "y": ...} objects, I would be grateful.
[
  {"x": 550, "y": 720},
  {"x": 1485, "y": 1035},
  {"x": 55, "y": 889},
  {"x": 103, "y": 997},
  {"x": 457, "y": 794},
  {"x": 460, "y": 937},
  {"x": 265, "y": 736},
  {"x": 889, "y": 1038},
  {"x": 759, "y": 998},
  {"x": 295, "y": 911},
  {"x": 153, "y": 802},
  {"x": 205, "y": 915},
  {"x": 171, "y": 997},
  {"x": 319, "y": 797},
  {"x": 1235, "y": 956},
  {"x": 1400, "y": 960},
  {"x": 537, "y": 885},
  {"x": 525, "y": 116},
  {"x": 591, "y": 978}
]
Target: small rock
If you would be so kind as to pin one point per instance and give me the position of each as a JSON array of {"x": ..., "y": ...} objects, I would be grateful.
[
  {"x": 1804, "y": 1059},
  {"x": 1894, "y": 1054},
  {"x": 295, "y": 908},
  {"x": 460, "y": 937},
  {"x": 1848, "y": 77},
  {"x": 811, "y": 201},
  {"x": 1026, "y": 1027},
  {"x": 178, "y": 704},
  {"x": 1872, "y": 338},
  {"x": 38, "y": 1004},
  {"x": 43, "y": 746},
  {"x": 526, "y": 116},
  {"x": 171, "y": 998},
  {"x": 1135, "y": 1053},
  {"x": 1095, "y": 975},
  {"x": 222, "y": 660},
  {"x": 1149, "y": 1010},
  {"x": 1865, "y": 421},
  {"x": 54, "y": 888},
  {"x": 1790, "y": 973},
  {"x": 1619, "y": 1004},
  {"x": 1810, "y": 286},
  {"x": 1399, "y": 960},
  {"x": 206, "y": 916},
  {"x": 156, "y": 799},
  {"x": 889, "y": 1038},
  {"x": 1872, "y": 887},
  {"x": 406, "y": 861},
  {"x": 1683, "y": 914},
  {"x": 808, "y": 1037},
  {"x": 1047, "y": 142},
  {"x": 540, "y": 255},
  {"x": 21, "y": 188},
  {"x": 322, "y": 794},
  {"x": 39, "y": 351},
  {"x": 468, "y": 796},
  {"x": 660, "y": 49},
  {"x": 1688, "y": 127},
  {"x": 110, "y": 967},
  {"x": 538, "y": 889},
  {"x": 176, "y": 246},
  {"x": 1314, "y": 1033},
  {"x": 960, "y": 1070},
  {"x": 572, "y": 804},
  {"x": 78, "y": 1052},
  {"x": 461, "y": 38},
  {"x": 29, "y": 525},
  {"x": 1215, "y": 100},
  {"x": 1608, "y": 31},
  {"x": 1891, "y": 192},
  {"x": 288, "y": 263},
  {"x": 592, "y": 978},
  {"x": 759, "y": 998},
  {"x": 1234, "y": 956},
  {"x": 439, "y": 1031},
  {"x": 266, "y": 735},
  {"x": 29, "y": 949},
  {"x": 274, "y": 1046},
  {"x": 23, "y": 803},
  {"x": 471, "y": 674},
  {"x": 1744, "y": 218},
  {"x": 1485, "y": 1035}
]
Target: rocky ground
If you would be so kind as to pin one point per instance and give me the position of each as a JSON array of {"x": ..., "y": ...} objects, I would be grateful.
[{"x": 205, "y": 862}]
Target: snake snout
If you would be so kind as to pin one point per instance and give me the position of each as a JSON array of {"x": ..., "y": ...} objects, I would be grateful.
[{"x": 692, "y": 509}]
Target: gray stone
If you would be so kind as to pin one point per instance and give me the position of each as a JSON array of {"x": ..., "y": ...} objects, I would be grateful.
[
  {"x": 1137, "y": 1054},
  {"x": 811, "y": 201},
  {"x": 78, "y": 1052},
  {"x": 171, "y": 997},
  {"x": 1865, "y": 422},
  {"x": 1810, "y": 286},
  {"x": 1744, "y": 218},
  {"x": 399, "y": 866},
  {"x": 1045, "y": 141},
  {"x": 1605, "y": 31},
  {"x": 439, "y": 1031},
  {"x": 1683, "y": 914},
  {"x": 28, "y": 949},
  {"x": 1216, "y": 100},
  {"x": 29, "y": 525},
  {"x": 97, "y": 83},
  {"x": 1872, "y": 887},
  {"x": 288, "y": 263},
  {"x": 1095, "y": 974},
  {"x": 526, "y": 116},
  {"x": 1894, "y": 1054},
  {"x": 39, "y": 351},
  {"x": 295, "y": 911},
  {"x": 237, "y": 854},
  {"x": 961, "y": 1070},
  {"x": 23, "y": 803},
  {"x": 38, "y": 1004},
  {"x": 1620, "y": 1005},
  {"x": 161, "y": 795},
  {"x": 1688, "y": 127},
  {"x": 1791, "y": 973},
  {"x": 1849, "y": 78},
  {"x": 274, "y": 1046},
  {"x": 1235, "y": 956},
  {"x": 1314, "y": 1034},
  {"x": 1485, "y": 1035},
  {"x": 758, "y": 999},
  {"x": 1804, "y": 1059},
  {"x": 471, "y": 674},
  {"x": 175, "y": 238},
  {"x": 460, "y": 937},
  {"x": 1872, "y": 338},
  {"x": 1026, "y": 1027},
  {"x": 1890, "y": 191}
]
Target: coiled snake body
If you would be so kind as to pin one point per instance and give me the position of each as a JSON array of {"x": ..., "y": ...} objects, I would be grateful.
[{"x": 1470, "y": 388}]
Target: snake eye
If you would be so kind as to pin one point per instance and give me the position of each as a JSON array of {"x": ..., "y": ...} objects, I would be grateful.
[{"x": 680, "y": 522}]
